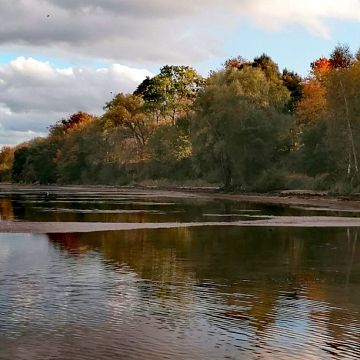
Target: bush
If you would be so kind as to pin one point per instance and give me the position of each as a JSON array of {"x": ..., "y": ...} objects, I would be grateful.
[
  {"x": 269, "y": 180},
  {"x": 299, "y": 181},
  {"x": 323, "y": 182}
]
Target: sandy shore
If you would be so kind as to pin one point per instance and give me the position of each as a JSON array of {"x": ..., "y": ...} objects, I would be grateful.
[{"x": 73, "y": 227}]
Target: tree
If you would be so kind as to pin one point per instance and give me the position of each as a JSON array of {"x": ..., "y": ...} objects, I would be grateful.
[
  {"x": 170, "y": 152},
  {"x": 314, "y": 156},
  {"x": 268, "y": 66},
  {"x": 127, "y": 112},
  {"x": 236, "y": 62},
  {"x": 312, "y": 107},
  {"x": 343, "y": 87},
  {"x": 341, "y": 57},
  {"x": 293, "y": 83},
  {"x": 20, "y": 158},
  {"x": 170, "y": 94},
  {"x": 321, "y": 67},
  {"x": 34, "y": 162},
  {"x": 6, "y": 162},
  {"x": 238, "y": 126},
  {"x": 74, "y": 122}
]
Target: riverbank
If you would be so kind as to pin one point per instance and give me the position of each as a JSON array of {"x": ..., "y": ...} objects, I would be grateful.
[
  {"x": 303, "y": 199},
  {"x": 84, "y": 227}
]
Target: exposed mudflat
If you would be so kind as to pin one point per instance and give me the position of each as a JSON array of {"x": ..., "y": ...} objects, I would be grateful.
[
  {"x": 135, "y": 196},
  {"x": 73, "y": 227},
  {"x": 301, "y": 199},
  {"x": 306, "y": 202}
]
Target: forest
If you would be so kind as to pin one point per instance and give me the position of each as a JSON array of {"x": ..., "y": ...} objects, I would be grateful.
[{"x": 248, "y": 126}]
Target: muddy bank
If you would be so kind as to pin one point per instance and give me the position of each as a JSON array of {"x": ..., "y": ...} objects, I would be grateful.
[
  {"x": 73, "y": 227},
  {"x": 98, "y": 190},
  {"x": 305, "y": 202},
  {"x": 291, "y": 199}
]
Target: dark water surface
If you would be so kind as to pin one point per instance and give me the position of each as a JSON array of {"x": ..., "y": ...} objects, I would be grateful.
[
  {"x": 183, "y": 293},
  {"x": 140, "y": 207}
]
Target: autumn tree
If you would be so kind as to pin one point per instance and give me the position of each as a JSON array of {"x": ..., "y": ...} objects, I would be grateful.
[
  {"x": 128, "y": 112},
  {"x": 312, "y": 107},
  {"x": 170, "y": 94},
  {"x": 237, "y": 126},
  {"x": 6, "y": 162},
  {"x": 268, "y": 66},
  {"x": 74, "y": 122},
  {"x": 341, "y": 57},
  {"x": 237, "y": 62}
]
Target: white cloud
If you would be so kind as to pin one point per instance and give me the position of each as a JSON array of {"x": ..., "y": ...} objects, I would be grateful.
[
  {"x": 118, "y": 30},
  {"x": 34, "y": 94},
  {"x": 156, "y": 31},
  {"x": 313, "y": 15}
]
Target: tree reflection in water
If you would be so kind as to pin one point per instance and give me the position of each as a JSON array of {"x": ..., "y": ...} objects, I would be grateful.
[
  {"x": 293, "y": 289},
  {"x": 6, "y": 210}
]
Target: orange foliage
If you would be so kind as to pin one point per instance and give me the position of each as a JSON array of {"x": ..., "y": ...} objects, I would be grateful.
[
  {"x": 74, "y": 122},
  {"x": 312, "y": 106},
  {"x": 321, "y": 66}
]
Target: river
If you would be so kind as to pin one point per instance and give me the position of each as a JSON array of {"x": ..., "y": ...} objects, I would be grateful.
[{"x": 223, "y": 292}]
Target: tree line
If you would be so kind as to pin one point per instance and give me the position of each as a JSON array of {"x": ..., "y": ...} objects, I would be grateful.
[{"x": 248, "y": 126}]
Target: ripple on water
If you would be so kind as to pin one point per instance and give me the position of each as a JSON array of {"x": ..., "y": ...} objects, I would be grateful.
[{"x": 180, "y": 294}]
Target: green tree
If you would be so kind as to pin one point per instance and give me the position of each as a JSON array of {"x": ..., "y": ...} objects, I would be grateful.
[
  {"x": 293, "y": 83},
  {"x": 268, "y": 66},
  {"x": 238, "y": 126},
  {"x": 128, "y": 112},
  {"x": 170, "y": 151},
  {"x": 170, "y": 94},
  {"x": 343, "y": 101},
  {"x": 35, "y": 162}
]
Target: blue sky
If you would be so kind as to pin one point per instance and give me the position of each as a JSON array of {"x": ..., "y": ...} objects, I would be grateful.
[{"x": 62, "y": 56}]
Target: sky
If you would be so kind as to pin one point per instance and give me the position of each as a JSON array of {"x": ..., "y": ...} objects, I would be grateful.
[{"x": 58, "y": 57}]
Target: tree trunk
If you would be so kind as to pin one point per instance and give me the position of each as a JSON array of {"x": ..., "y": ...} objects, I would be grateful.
[
  {"x": 226, "y": 167},
  {"x": 351, "y": 135}
]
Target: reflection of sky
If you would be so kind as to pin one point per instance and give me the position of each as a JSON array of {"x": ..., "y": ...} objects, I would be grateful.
[
  {"x": 51, "y": 289},
  {"x": 296, "y": 330}
]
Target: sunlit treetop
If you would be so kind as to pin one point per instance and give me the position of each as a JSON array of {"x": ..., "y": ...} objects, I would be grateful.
[
  {"x": 236, "y": 63},
  {"x": 341, "y": 57},
  {"x": 74, "y": 122},
  {"x": 321, "y": 66}
]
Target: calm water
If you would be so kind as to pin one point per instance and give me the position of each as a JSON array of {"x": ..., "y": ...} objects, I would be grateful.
[{"x": 196, "y": 293}]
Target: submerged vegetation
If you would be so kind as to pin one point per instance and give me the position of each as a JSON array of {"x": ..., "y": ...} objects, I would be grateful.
[{"x": 248, "y": 126}]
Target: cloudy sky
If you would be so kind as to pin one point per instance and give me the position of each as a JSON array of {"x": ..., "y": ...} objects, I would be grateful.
[{"x": 58, "y": 57}]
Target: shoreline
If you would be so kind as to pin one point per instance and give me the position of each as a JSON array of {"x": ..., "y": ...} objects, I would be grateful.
[
  {"x": 309, "y": 202},
  {"x": 24, "y": 227},
  {"x": 286, "y": 198}
]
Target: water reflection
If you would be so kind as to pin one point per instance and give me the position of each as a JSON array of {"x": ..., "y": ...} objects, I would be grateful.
[
  {"x": 182, "y": 294},
  {"x": 6, "y": 210},
  {"x": 131, "y": 206},
  {"x": 290, "y": 295}
]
